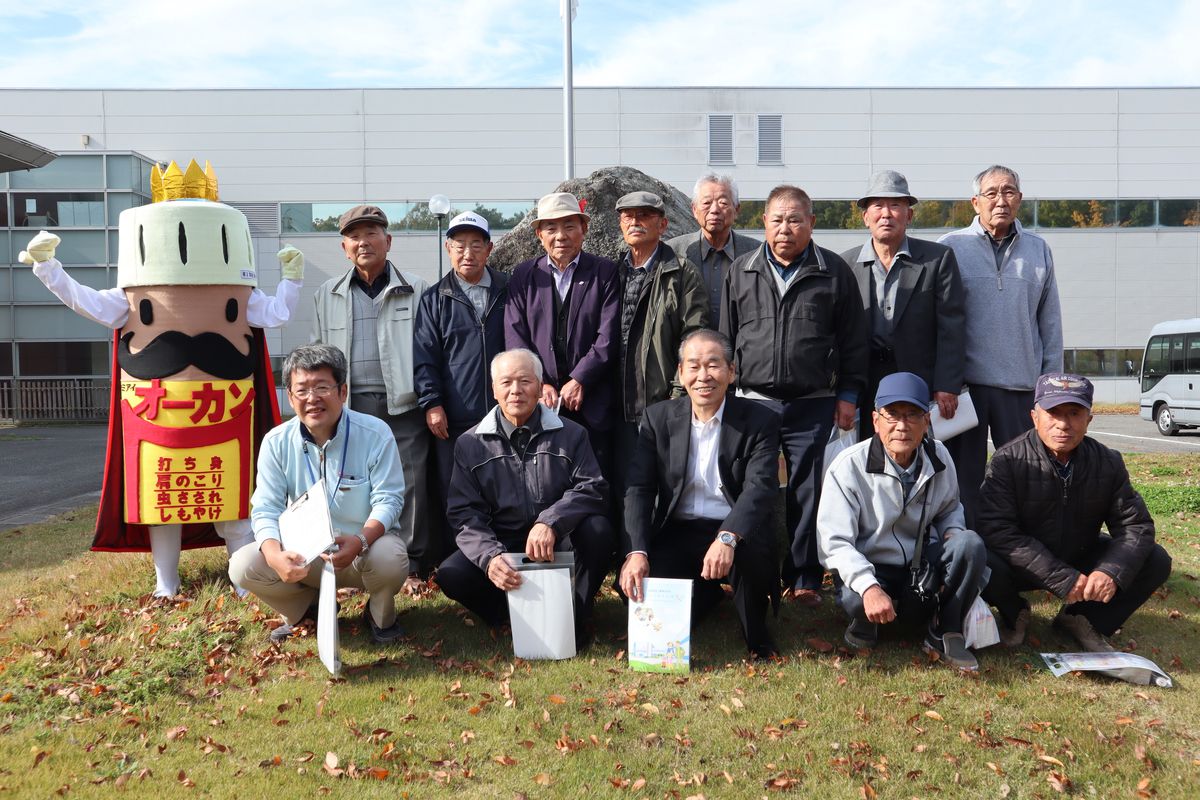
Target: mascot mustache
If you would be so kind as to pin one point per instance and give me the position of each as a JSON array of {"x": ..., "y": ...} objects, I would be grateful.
[{"x": 172, "y": 352}]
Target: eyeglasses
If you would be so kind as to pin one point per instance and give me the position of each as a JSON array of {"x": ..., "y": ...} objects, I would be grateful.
[
  {"x": 321, "y": 391},
  {"x": 908, "y": 417},
  {"x": 1008, "y": 193},
  {"x": 459, "y": 247}
]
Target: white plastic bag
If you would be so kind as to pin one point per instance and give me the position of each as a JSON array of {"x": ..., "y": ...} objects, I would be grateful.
[
  {"x": 541, "y": 609},
  {"x": 979, "y": 626},
  {"x": 839, "y": 440}
]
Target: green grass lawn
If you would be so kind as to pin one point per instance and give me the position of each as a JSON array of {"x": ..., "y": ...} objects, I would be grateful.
[{"x": 101, "y": 689}]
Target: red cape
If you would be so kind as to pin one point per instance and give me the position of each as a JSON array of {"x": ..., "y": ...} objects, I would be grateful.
[{"x": 115, "y": 535}]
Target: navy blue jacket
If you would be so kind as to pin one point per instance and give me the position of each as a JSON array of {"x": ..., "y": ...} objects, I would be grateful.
[{"x": 453, "y": 349}]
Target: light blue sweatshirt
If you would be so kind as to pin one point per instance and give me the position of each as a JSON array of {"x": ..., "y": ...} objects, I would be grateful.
[
  {"x": 360, "y": 463},
  {"x": 1013, "y": 319}
]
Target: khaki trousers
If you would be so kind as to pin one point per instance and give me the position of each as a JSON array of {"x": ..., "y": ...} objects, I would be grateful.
[{"x": 381, "y": 575}]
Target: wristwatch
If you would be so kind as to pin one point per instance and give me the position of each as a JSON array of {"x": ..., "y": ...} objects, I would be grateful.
[
  {"x": 362, "y": 537},
  {"x": 725, "y": 537}
]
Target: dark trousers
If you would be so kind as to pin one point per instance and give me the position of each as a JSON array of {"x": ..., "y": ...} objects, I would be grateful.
[
  {"x": 678, "y": 552},
  {"x": 593, "y": 542},
  {"x": 443, "y": 456},
  {"x": 804, "y": 431},
  {"x": 601, "y": 442},
  {"x": 624, "y": 439},
  {"x": 1005, "y": 413},
  {"x": 962, "y": 560},
  {"x": 880, "y": 365},
  {"x": 1007, "y": 582}
]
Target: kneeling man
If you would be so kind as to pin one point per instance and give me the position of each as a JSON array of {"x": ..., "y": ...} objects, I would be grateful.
[
  {"x": 1043, "y": 500},
  {"x": 701, "y": 488},
  {"x": 356, "y": 455},
  {"x": 524, "y": 479},
  {"x": 880, "y": 497}
]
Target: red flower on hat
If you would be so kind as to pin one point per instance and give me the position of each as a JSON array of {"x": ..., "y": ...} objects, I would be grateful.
[{"x": 582, "y": 205}]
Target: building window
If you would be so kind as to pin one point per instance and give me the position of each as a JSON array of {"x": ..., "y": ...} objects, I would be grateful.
[
  {"x": 1123, "y": 362},
  {"x": 770, "y": 138},
  {"x": 53, "y": 209},
  {"x": 720, "y": 139},
  {"x": 47, "y": 359},
  {"x": 1178, "y": 213}
]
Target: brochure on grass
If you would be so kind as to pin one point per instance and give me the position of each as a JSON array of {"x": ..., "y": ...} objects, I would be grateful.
[{"x": 660, "y": 627}]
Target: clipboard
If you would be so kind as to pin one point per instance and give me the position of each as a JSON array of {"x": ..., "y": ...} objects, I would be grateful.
[{"x": 305, "y": 526}]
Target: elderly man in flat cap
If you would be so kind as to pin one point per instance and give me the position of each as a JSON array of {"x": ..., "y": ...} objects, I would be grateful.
[
  {"x": 662, "y": 299},
  {"x": 913, "y": 296},
  {"x": 369, "y": 314},
  {"x": 565, "y": 306}
]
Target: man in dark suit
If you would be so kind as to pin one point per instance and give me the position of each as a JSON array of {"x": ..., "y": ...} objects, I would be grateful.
[
  {"x": 716, "y": 245},
  {"x": 565, "y": 306},
  {"x": 913, "y": 296},
  {"x": 701, "y": 490}
]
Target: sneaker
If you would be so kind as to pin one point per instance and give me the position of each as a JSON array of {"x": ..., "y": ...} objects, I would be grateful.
[
  {"x": 952, "y": 649},
  {"x": 1015, "y": 636},
  {"x": 285, "y": 631},
  {"x": 386, "y": 635},
  {"x": 861, "y": 634},
  {"x": 1081, "y": 630}
]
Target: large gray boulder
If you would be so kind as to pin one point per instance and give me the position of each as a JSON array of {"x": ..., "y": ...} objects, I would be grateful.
[{"x": 600, "y": 190}]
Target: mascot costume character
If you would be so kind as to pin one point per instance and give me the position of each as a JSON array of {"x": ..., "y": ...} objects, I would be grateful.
[{"x": 192, "y": 389}]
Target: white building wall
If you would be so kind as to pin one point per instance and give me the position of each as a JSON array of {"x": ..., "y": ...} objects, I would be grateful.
[{"x": 354, "y": 145}]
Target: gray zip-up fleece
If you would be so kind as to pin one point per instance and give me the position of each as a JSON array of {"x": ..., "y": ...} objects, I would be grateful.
[{"x": 1013, "y": 319}]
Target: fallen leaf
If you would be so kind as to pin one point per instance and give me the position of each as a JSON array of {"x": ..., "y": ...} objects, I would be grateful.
[
  {"x": 650, "y": 707},
  {"x": 820, "y": 645},
  {"x": 1051, "y": 760},
  {"x": 1059, "y": 782},
  {"x": 39, "y": 756},
  {"x": 557, "y": 699},
  {"x": 638, "y": 785},
  {"x": 177, "y": 733},
  {"x": 542, "y": 779},
  {"x": 1124, "y": 721},
  {"x": 378, "y": 773},
  {"x": 504, "y": 761},
  {"x": 185, "y": 781}
]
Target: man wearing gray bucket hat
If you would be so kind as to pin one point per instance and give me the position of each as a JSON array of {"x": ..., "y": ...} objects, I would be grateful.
[{"x": 912, "y": 294}]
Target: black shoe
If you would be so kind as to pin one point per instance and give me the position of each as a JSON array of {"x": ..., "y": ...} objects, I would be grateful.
[
  {"x": 585, "y": 636},
  {"x": 386, "y": 635},
  {"x": 763, "y": 650},
  {"x": 285, "y": 631},
  {"x": 861, "y": 634}
]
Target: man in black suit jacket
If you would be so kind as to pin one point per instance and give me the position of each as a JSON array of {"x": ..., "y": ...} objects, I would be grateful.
[
  {"x": 912, "y": 293},
  {"x": 701, "y": 489}
]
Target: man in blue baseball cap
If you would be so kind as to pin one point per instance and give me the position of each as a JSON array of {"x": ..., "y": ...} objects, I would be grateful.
[
  {"x": 1043, "y": 500},
  {"x": 891, "y": 530}
]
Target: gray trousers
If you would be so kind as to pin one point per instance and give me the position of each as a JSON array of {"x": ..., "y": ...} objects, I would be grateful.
[
  {"x": 419, "y": 529},
  {"x": 381, "y": 575}
]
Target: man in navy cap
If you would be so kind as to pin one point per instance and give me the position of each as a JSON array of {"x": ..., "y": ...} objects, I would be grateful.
[
  {"x": 890, "y": 515},
  {"x": 1043, "y": 500}
]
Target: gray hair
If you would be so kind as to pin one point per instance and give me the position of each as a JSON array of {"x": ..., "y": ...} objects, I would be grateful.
[
  {"x": 529, "y": 355},
  {"x": 995, "y": 169},
  {"x": 708, "y": 335},
  {"x": 719, "y": 179},
  {"x": 312, "y": 357}
]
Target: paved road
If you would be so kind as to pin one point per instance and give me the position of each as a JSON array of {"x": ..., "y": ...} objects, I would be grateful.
[
  {"x": 48, "y": 470},
  {"x": 1131, "y": 434}
]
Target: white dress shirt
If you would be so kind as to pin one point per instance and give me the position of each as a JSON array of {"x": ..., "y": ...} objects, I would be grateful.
[{"x": 702, "y": 497}]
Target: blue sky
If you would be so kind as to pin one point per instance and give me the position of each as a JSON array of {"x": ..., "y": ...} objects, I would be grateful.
[{"x": 332, "y": 43}]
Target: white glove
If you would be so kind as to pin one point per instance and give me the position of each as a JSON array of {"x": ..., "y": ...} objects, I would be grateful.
[
  {"x": 291, "y": 262},
  {"x": 40, "y": 248}
]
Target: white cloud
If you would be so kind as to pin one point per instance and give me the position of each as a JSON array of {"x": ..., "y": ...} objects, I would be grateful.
[{"x": 316, "y": 43}]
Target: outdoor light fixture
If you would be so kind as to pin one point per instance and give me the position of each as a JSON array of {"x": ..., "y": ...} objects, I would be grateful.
[{"x": 439, "y": 206}]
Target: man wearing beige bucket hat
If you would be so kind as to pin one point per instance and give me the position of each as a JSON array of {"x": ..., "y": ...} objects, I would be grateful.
[{"x": 565, "y": 306}]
